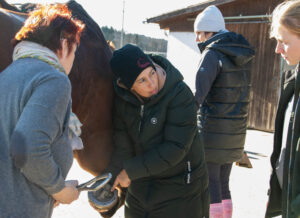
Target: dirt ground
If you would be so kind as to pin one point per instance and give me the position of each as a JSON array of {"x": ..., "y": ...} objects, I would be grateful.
[{"x": 248, "y": 186}]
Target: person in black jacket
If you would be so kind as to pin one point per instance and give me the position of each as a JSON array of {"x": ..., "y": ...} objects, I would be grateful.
[
  {"x": 222, "y": 93},
  {"x": 156, "y": 138},
  {"x": 284, "y": 193}
]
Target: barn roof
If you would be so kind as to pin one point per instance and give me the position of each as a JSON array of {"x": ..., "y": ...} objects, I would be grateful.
[{"x": 187, "y": 10}]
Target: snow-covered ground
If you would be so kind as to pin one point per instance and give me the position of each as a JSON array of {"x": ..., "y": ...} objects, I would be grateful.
[{"x": 248, "y": 186}]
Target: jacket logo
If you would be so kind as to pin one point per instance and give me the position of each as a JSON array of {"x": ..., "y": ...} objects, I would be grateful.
[
  {"x": 142, "y": 63},
  {"x": 154, "y": 120}
]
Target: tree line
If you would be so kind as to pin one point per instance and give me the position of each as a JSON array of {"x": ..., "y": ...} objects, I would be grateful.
[{"x": 148, "y": 44}]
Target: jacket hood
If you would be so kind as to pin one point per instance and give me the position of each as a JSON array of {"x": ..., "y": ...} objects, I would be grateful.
[
  {"x": 173, "y": 76},
  {"x": 233, "y": 45}
]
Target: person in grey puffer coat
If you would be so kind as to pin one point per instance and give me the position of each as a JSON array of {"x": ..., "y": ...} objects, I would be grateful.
[
  {"x": 222, "y": 93},
  {"x": 35, "y": 107}
]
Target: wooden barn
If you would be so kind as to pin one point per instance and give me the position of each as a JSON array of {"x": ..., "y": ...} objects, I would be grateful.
[{"x": 251, "y": 18}]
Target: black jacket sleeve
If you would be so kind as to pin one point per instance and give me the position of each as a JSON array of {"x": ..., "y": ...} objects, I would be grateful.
[
  {"x": 123, "y": 145},
  {"x": 209, "y": 68}
]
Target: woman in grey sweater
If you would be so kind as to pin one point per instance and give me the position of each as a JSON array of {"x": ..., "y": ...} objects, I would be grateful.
[{"x": 35, "y": 107}]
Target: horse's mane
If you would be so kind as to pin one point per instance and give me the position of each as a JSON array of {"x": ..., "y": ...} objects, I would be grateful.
[
  {"x": 79, "y": 13},
  {"x": 97, "y": 48}
]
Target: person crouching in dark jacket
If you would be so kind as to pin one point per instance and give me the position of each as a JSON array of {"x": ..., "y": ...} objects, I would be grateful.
[{"x": 156, "y": 139}]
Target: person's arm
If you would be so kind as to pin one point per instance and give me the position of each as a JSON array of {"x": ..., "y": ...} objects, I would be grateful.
[
  {"x": 179, "y": 132},
  {"x": 39, "y": 125},
  {"x": 123, "y": 149},
  {"x": 208, "y": 70}
]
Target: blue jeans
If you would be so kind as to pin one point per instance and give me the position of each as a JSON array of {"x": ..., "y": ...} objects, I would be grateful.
[{"x": 219, "y": 181}]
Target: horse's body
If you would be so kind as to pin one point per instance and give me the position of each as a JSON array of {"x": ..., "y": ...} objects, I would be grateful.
[
  {"x": 10, "y": 23},
  {"x": 91, "y": 79}
]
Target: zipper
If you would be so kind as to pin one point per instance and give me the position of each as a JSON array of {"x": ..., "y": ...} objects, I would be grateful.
[
  {"x": 189, "y": 169},
  {"x": 141, "y": 114}
]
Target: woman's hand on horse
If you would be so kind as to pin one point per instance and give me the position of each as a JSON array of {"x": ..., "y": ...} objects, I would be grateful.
[
  {"x": 68, "y": 194},
  {"x": 121, "y": 180}
]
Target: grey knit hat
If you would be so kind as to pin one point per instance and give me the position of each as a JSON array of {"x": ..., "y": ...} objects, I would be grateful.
[{"x": 210, "y": 20}]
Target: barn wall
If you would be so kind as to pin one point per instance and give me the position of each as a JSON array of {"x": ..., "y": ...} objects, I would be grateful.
[
  {"x": 246, "y": 7},
  {"x": 184, "y": 22},
  {"x": 266, "y": 65},
  {"x": 184, "y": 55}
]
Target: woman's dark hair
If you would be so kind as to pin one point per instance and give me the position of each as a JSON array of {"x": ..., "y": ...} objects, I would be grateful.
[{"x": 48, "y": 25}]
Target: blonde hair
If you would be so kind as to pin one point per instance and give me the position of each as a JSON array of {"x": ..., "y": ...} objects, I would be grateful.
[{"x": 286, "y": 14}]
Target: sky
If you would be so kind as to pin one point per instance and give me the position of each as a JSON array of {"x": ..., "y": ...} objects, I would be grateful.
[{"x": 110, "y": 12}]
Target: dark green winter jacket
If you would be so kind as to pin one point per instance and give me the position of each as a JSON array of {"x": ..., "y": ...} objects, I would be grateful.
[
  {"x": 286, "y": 200},
  {"x": 158, "y": 139},
  {"x": 223, "y": 93}
]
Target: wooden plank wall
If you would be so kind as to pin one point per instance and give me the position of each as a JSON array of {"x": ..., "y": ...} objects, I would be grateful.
[
  {"x": 265, "y": 75},
  {"x": 248, "y": 7}
]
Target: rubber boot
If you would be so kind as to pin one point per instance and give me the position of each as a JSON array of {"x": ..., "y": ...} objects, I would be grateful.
[
  {"x": 216, "y": 210},
  {"x": 227, "y": 208}
]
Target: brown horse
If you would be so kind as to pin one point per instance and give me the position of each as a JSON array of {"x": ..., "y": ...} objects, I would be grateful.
[{"x": 91, "y": 78}]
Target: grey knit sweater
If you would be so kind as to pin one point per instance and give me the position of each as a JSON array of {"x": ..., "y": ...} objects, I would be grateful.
[{"x": 35, "y": 153}]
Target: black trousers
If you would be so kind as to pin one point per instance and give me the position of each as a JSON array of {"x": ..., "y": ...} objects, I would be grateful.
[{"x": 219, "y": 181}]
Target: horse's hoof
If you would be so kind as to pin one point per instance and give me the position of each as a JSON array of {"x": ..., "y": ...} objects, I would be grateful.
[{"x": 103, "y": 200}]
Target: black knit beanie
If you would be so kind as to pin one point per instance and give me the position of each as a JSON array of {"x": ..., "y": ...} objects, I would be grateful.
[{"x": 128, "y": 62}]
